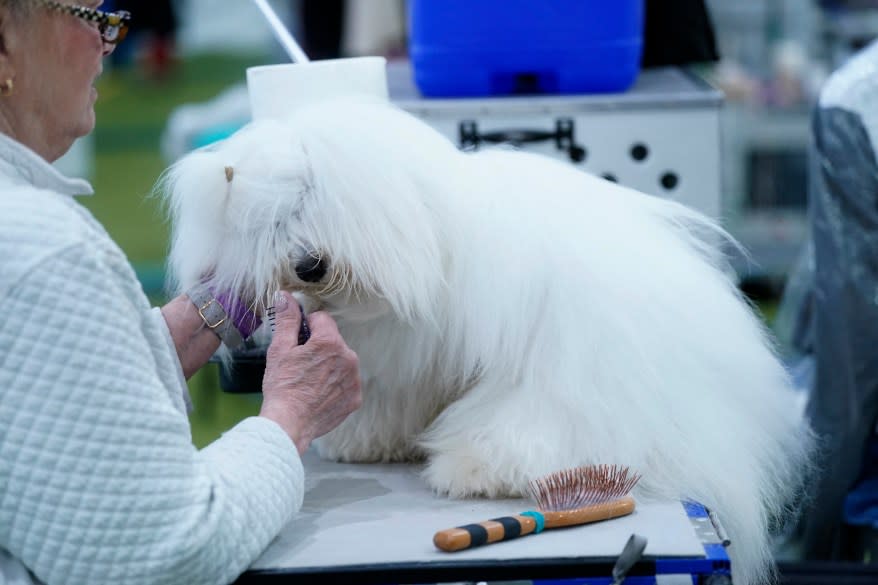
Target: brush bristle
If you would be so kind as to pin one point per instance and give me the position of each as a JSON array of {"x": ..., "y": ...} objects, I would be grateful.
[{"x": 582, "y": 486}]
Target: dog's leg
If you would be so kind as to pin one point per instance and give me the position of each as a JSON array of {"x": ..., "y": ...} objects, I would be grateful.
[
  {"x": 384, "y": 429},
  {"x": 483, "y": 445}
]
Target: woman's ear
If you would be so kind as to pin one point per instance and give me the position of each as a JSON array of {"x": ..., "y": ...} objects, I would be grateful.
[
  {"x": 6, "y": 28},
  {"x": 19, "y": 22}
]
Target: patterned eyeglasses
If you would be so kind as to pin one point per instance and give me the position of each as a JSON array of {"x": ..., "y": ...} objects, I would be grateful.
[{"x": 113, "y": 26}]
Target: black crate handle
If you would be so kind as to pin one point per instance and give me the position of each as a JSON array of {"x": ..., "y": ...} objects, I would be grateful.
[{"x": 563, "y": 135}]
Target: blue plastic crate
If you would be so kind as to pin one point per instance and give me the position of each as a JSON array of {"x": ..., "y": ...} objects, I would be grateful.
[{"x": 461, "y": 48}]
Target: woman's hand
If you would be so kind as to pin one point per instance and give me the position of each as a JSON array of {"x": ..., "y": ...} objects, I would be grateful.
[
  {"x": 194, "y": 342},
  {"x": 308, "y": 389}
]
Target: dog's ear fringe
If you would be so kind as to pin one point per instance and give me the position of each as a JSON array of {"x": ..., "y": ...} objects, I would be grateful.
[{"x": 190, "y": 186}]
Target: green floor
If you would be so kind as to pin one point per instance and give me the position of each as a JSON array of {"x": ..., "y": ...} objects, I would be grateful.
[{"x": 132, "y": 113}]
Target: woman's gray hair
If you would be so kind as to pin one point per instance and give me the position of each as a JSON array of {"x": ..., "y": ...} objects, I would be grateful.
[{"x": 18, "y": 7}]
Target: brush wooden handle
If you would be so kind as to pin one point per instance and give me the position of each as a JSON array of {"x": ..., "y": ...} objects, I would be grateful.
[
  {"x": 495, "y": 530},
  {"x": 509, "y": 527}
]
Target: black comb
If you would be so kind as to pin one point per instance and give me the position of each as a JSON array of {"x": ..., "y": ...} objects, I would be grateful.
[{"x": 304, "y": 329}]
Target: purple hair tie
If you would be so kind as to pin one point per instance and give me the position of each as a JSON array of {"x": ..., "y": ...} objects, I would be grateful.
[{"x": 245, "y": 320}]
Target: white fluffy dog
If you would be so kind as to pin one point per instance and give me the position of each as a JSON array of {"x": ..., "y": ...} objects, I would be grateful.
[{"x": 513, "y": 315}]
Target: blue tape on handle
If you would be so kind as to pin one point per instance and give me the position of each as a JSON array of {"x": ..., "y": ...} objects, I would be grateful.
[{"x": 538, "y": 518}]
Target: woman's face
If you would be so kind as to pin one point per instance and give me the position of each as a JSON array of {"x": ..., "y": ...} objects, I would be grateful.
[{"x": 55, "y": 58}]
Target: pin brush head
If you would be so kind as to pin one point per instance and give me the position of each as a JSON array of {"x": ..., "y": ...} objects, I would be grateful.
[{"x": 582, "y": 486}]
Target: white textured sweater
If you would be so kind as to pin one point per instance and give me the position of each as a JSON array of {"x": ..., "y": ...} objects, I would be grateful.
[{"x": 99, "y": 480}]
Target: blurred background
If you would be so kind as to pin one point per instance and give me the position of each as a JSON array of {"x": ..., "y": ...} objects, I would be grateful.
[{"x": 183, "y": 68}]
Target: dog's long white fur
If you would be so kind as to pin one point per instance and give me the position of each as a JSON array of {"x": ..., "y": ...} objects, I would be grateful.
[{"x": 513, "y": 315}]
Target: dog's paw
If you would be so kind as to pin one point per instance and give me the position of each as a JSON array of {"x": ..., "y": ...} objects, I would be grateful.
[{"x": 466, "y": 476}]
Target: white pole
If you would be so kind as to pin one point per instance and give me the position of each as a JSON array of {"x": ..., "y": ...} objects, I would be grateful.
[{"x": 283, "y": 35}]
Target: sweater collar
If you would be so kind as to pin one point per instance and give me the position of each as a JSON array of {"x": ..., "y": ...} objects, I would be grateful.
[{"x": 22, "y": 164}]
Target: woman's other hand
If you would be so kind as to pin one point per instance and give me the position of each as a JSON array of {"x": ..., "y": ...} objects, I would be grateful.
[{"x": 308, "y": 389}]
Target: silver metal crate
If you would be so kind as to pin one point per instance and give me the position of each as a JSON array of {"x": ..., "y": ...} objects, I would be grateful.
[{"x": 661, "y": 137}]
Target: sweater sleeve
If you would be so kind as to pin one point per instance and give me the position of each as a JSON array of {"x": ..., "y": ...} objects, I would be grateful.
[{"x": 99, "y": 480}]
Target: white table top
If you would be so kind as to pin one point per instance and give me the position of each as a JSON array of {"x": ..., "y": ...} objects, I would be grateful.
[{"x": 369, "y": 514}]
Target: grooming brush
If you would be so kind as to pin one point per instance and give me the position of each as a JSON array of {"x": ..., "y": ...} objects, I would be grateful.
[
  {"x": 565, "y": 498},
  {"x": 304, "y": 329}
]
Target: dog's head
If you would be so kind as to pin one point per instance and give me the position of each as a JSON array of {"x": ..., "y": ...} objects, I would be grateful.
[{"x": 342, "y": 201}]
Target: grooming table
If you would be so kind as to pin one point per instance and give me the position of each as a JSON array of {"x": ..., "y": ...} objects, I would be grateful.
[{"x": 374, "y": 524}]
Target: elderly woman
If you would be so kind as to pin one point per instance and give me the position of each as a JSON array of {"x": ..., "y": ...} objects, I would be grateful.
[{"x": 99, "y": 480}]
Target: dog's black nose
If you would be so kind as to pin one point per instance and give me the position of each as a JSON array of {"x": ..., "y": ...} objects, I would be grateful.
[{"x": 311, "y": 269}]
